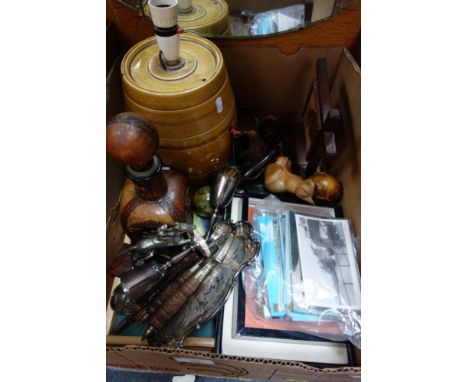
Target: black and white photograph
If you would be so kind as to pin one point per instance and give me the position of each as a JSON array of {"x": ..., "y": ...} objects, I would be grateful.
[{"x": 328, "y": 266}]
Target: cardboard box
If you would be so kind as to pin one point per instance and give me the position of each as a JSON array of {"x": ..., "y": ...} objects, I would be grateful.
[{"x": 265, "y": 80}]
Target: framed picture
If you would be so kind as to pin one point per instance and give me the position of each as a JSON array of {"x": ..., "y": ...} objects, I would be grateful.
[{"x": 243, "y": 334}]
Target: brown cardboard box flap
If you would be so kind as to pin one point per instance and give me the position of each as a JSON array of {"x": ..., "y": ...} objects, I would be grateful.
[
  {"x": 209, "y": 364},
  {"x": 116, "y": 359},
  {"x": 270, "y": 82},
  {"x": 346, "y": 93}
]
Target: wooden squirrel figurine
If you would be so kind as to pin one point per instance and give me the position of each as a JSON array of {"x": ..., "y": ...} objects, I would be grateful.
[
  {"x": 151, "y": 196},
  {"x": 321, "y": 186}
]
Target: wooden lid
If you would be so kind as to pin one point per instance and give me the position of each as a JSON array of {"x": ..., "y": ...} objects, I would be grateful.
[{"x": 148, "y": 84}]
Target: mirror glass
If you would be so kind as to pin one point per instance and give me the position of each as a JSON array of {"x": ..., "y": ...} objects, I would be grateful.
[{"x": 247, "y": 18}]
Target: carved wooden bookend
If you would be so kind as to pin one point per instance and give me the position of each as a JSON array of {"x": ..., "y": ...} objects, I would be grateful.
[
  {"x": 151, "y": 196},
  {"x": 279, "y": 179}
]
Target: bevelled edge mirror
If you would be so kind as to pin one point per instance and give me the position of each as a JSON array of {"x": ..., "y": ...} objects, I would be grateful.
[{"x": 247, "y": 19}]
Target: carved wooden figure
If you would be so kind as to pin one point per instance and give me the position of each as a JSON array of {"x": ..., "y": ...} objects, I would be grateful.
[
  {"x": 151, "y": 196},
  {"x": 279, "y": 179}
]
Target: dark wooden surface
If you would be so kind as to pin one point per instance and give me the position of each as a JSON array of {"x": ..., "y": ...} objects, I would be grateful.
[
  {"x": 342, "y": 30},
  {"x": 131, "y": 139}
]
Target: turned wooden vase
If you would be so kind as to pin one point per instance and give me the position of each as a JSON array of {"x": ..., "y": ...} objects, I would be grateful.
[{"x": 151, "y": 196}]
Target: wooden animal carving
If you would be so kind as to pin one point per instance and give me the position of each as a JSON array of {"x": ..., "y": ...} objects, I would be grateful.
[{"x": 279, "y": 179}]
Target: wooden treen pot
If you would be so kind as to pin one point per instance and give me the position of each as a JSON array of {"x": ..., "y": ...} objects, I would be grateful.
[
  {"x": 205, "y": 17},
  {"x": 192, "y": 107}
]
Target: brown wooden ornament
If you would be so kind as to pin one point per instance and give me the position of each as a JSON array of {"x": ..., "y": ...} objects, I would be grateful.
[
  {"x": 279, "y": 179},
  {"x": 327, "y": 187},
  {"x": 131, "y": 139},
  {"x": 151, "y": 196}
]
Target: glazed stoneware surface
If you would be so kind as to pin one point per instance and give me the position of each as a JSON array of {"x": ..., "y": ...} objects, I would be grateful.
[
  {"x": 192, "y": 108},
  {"x": 207, "y": 16}
]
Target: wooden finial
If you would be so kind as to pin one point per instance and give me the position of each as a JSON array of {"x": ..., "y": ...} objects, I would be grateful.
[{"x": 131, "y": 139}]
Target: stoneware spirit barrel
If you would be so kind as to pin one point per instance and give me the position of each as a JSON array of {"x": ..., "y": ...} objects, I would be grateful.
[
  {"x": 192, "y": 106},
  {"x": 202, "y": 16}
]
